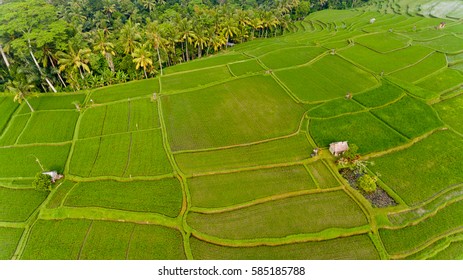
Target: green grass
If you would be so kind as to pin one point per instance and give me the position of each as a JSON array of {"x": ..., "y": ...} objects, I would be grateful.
[
  {"x": 49, "y": 127},
  {"x": 164, "y": 196},
  {"x": 143, "y": 115},
  {"x": 325, "y": 179},
  {"x": 241, "y": 111},
  {"x": 443, "y": 81},
  {"x": 447, "y": 44},
  {"x": 147, "y": 155},
  {"x": 426, "y": 67},
  {"x": 12, "y": 132},
  {"x": 83, "y": 156},
  {"x": 409, "y": 116},
  {"x": 383, "y": 42},
  {"x": 245, "y": 67},
  {"x": 54, "y": 102},
  {"x": 406, "y": 239},
  {"x": 379, "y": 96},
  {"x": 450, "y": 112},
  {"x": 212, "y": 61},
  {"x": 235, "y": 188},
  {"x": 9, "y": 239},
  {"x": 188, "y": 80},
  {"x": 315, "y": 82},
  {"x": 125, "y": 91},
  {"x": 280, "y": 218},
  {"x": 385, "y": 63},
  {"x": 107, "y": 241},
  {"x": 59, "y": 194},
  {"x": 151, "y": 242},
  {"x": 335, "y": 107},
  {"x": 281, "y": 58},
  {"x": 112, "y": 156},
  {"x": 22, "y": 160},
  {"x": 427, "y": 167},
  {"x": 453, "y": 252},
  {"x": 413, "y": 89},
  {"x": 117, "y": 118},
  {"x": 360, "y": 129},
  {"x": 16, "y": 205},
  {"x": 291, "y": 149},
  {"x": 358, "y": 247},
  {"x": 56, "y": 240},
  {"x": 7, "y": 108},
  {"x": 92, "y": 122}
]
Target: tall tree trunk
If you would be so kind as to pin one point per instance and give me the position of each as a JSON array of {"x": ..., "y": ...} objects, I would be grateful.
[
  {"x": 186, "y": 51},
  {"x": 226, "y": 45},
  {"x": 40, "y": 70},
  {"x": 109, "y": 59},
  {"x": 199, "y": 51},
  {"x": 4, "y": 57},
  {"x": 159, "y": 59},
  {"x": 81, "y": 75},
  {"x": 59, "y": 75},
  {"x": 28, "y": 104},
  {"x": 144, "y": 70}
]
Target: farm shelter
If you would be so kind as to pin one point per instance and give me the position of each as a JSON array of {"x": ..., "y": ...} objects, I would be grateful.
[{"x": 337, "y": 148}]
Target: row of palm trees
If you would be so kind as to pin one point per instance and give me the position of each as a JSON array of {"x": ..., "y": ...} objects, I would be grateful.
[
  {"x": 109, "y": 41},
  {"x": 157, "y": 44}
]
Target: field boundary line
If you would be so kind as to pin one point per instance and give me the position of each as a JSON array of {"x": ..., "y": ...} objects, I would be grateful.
[
  {"x": 53, "y": 144},
  {"x": 317, "y": 184},
  {"x": 237, "y": 145},
  {"x": 411, "y": 65},
  {"x": 127, "y": 251},
  {"x": 251, "y": 168},
  {"x": 78, "y": 178},
  {"x": 120, "y": 133},
  {"x": 285, "y": 88},
  {"x": 410, "y": 143},
  {"x": 108, "y": 214},
  {"x": 24, "y": 128},
  {"x": 186, "y": 196},
  {"x": 85, "y": 240},
  {"x": 390, "y": 126},
  {"x": 437, "y": 248},
  {"x": 428, "y": 243},
  {"x": 324, "y": 235},
  {"x": 21, "y": 225},
  {"x": 271, "y": 198},
  {"x": 63, "y": 201},
  {"x": 99, "y": 142}
]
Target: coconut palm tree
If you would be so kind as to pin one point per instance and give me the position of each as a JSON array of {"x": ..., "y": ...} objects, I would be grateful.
[
  {"x": 201, "y": 39},
  {"x": 142, "y": 58},
  {"x": 21, "y": 89},
  {"x": 153, "y": 33},
  {"x": 186, "y": 34},
  {"x": 229, "y": 28},
  {"x": 129, "y": 36},
  {"x": 74, "y": 60},
  {"x": 102, "y": 45}
]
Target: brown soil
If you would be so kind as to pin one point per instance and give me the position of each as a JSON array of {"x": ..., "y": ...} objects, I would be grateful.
[{"x": 379, "y": 199}]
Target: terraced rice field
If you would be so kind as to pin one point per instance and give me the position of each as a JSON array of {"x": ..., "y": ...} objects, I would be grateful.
[{"x": 213, "y": 159}]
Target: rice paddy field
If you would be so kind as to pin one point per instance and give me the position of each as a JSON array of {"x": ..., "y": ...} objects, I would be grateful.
[{"x": 213, "y": 159}]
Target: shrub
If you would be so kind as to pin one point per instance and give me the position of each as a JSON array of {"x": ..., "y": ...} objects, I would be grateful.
[
  {"x": 367, "y": 183},
  {"x": 42, "y": 182}
]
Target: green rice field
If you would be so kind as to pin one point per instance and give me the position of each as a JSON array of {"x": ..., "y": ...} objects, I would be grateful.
[{"x": 226, "y": 157}]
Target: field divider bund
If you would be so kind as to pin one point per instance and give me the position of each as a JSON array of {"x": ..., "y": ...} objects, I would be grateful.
[
  {"x": 401, "y": 147},
  {"x": 107, "y": 214},
  {"x": 204, "y": 210},
  {"x": 435, "y": 249},
  {"x": 24, "y": 128},
  {"x": 236, "y": 145},
  {"x": 426, "y": 244},
  {"x": 21, "y": 225},
  {"x": 186, "y": 196},
  {"x": 84, "y": 241},
  {"x": 127, "y": 251},
  {"x": 77, "y": 178},
  {"x": 324, "y": 235}
]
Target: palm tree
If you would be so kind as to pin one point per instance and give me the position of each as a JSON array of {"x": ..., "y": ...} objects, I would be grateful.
[
  {"x": 229, "y": 29},
  {"x": 150, "y": 5},
  {"x": 142, "y": 58},
  {"x": 256, "y": 24},
  {"x": 129, "y": 36},
  {"x": 153, "y": 33},
  {"x": 106, "y": 48},
  {"x": 269, "y": 21},
  {"x": 186, "y": 34},
  {"x": 74, "y": 60},
  {"x": 201, "y": 39},
  {"x": 21, "y": 89}
]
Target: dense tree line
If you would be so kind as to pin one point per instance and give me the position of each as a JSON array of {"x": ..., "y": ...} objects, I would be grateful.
[{"x": 61, "y": 45}]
